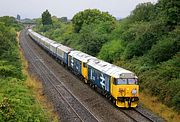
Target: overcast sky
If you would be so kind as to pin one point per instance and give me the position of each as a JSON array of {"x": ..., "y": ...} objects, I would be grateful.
[{"x": 61, "y": 8}]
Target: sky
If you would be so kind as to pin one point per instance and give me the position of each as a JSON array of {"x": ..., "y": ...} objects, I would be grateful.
[{"x": 67, "y": 8}]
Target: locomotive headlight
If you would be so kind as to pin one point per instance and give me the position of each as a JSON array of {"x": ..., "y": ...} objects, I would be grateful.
[{"x": 134, "y": 91}]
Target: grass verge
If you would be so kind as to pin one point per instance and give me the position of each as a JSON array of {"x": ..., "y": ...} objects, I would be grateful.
[
  {"x": 36, "y": 87},
  {"x": 153, "y": 104}
]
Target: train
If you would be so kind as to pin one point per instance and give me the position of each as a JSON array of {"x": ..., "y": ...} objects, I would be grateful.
[{"x": 117, "y": 84}]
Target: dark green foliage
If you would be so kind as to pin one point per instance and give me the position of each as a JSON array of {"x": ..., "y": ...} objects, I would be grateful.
[
  {"x": 90, "y": 16},
  {"x": 164, "y": 81},
  {"x": 63, "y": 19},
  {"x": 143, "y": 12},
  {"x": 164, "y": 50},
  {"x": 147, "y": 42},
  {"x": 111, "y": 51},
  {"x": 16, "y": 101},
  {"x": 141, "y": 37},
  {"x": 7, "y": 70},
  {"x": 91, "y": 39},
  {"x": 176, "y": 101},
  {"x": 169, "y": 12},
  {"x": 11, "y": 22},
  {"x": 46, "y": 18}
]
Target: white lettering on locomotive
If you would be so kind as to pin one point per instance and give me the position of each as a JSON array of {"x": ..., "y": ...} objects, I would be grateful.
[{"x": 102, "y": 82}]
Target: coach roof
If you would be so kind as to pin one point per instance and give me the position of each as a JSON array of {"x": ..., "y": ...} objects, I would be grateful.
[
  {"x": 81, "y": 56},
  {"x": 65, "y": 48}
]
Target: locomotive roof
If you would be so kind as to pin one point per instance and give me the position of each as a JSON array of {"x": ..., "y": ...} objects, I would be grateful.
[
  {"x": 110, "y": 69},
  {"x": 81, "y": 56}
]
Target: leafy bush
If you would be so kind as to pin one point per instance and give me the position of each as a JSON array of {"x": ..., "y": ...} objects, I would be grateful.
[
  {"x": 91, "y": 39},
  {"x": 164, "y": 80},
  {"x": 18, "y": 103},
  {"x": 11, "y": 22},
  {"x": 164, "y": 50},
  {"x": 111, "y": 51},
  {"x": 140, "y": 38}
]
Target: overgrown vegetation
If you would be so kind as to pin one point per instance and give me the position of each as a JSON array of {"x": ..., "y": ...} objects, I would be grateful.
[
  {"x": 146, "y": 42},
  {"x": 16, "y": 100}
]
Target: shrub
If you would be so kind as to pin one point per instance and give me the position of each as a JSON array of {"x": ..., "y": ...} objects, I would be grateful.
[
  {"x": 111, "y": 51},
  {"x": 164, "y": 49}
]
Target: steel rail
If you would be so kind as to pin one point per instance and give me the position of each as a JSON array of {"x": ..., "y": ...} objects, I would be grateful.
[{"x": 50, "y": 79}]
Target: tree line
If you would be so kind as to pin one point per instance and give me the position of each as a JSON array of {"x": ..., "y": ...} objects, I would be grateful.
[{"x": 147, "y": 42}]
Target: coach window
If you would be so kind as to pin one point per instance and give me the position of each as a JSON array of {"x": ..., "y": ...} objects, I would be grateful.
[{"x": 85, "y": 65}]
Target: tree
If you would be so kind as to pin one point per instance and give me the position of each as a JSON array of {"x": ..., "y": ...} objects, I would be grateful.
[
  {"x": 8, "y": 20},
  {"x": 46, "y": 18},
  {"x": 90, "y": 16},
  {"x": 91, "y": 40},
  {"x": 143, "y": 12},
  {"x": 169, "y": 12},
  {"x": 140, "y": 38},
  {"x": 63, "y": 19},
  {"x": 166, "y": 48}
]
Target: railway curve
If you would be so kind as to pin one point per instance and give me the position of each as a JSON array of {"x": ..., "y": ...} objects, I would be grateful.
[{"x": 67, "y": 93}]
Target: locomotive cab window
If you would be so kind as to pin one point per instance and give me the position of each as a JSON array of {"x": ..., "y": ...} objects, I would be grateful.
[
  {"x": 85, "y": 65},
  {"x": 132, "y": 81},
  {"x": 120, "y": 81}
]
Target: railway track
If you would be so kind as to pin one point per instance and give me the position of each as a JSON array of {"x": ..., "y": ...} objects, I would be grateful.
[
  {"x": 74, "y": 109},
  {"x": 136, "y": 115},
  {"x": 63, "y": 99}
]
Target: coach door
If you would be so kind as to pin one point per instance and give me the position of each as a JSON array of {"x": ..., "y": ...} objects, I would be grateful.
[{"x": 84, "y": 70}]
